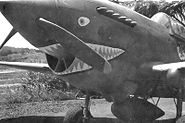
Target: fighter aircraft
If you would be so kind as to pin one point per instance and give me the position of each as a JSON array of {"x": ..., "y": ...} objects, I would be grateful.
[{"x": 97, "y": 45}]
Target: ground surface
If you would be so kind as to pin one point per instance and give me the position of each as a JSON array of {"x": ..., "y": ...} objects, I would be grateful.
[{"x": 46, "y": 111}]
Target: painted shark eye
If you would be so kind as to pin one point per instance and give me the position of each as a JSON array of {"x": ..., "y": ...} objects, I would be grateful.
[{"x": 83, "y": 21}]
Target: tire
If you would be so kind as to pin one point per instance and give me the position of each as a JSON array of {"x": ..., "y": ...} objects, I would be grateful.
[{"x": 75, "y": 115}]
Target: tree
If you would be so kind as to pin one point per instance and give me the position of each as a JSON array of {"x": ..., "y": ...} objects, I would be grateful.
[
  {"x": 174, "y": 9},
  {"x": 147, "y": 8}
]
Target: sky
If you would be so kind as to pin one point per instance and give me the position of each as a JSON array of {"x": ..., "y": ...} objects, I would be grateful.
[{"x": 17, "y": 40}]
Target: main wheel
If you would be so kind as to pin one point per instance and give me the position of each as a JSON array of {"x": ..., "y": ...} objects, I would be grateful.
[{"x": 75, "y": 115}]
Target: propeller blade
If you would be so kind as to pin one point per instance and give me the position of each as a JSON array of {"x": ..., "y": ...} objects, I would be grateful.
[
  {"x": 12, "y": 33},
  {"x": 76, "y": 46}
]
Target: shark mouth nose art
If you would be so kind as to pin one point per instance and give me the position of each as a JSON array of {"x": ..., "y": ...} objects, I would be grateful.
[
  {"x": 78, "y": 65},
  {"x": 106, "y": 52}
]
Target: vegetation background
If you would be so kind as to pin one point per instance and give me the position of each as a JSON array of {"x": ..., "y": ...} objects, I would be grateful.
[{"x": 30, "y": 86}]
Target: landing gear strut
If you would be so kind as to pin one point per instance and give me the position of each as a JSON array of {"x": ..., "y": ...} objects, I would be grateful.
[
  {"x": 79, "y": 114},
  {"x": 179, "y": 103},
  {"x": 86, "y": 108}
]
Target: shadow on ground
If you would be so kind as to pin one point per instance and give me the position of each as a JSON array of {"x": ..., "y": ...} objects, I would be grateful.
[
  {"x": 45, "y": 119},
  {"x": 33, "y": 119}
]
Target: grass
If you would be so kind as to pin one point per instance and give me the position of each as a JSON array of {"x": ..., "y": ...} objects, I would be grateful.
[
  {"x": 99, "y": 108},
  {"x": 49, "y": 108},
  {"x": 29, "y": 109},
  {"x": 14, "y": 101}
]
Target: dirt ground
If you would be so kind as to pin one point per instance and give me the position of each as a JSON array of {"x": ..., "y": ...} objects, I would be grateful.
[
  {"x": 54, "y": 112},
  {"x": 101, "y": 108}
]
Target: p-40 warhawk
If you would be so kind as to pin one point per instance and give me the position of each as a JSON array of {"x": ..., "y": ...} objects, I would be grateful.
[{"x": 97, "y": 45}]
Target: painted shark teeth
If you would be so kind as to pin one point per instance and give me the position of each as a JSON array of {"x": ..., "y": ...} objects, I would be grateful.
[
  {"x": 76, "y": 66},
  {"x": 51, "y": 48},
  {"x": 106, "y": 52}
]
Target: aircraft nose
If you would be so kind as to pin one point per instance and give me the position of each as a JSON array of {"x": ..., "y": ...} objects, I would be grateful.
[{"x": 2, "y": 6}]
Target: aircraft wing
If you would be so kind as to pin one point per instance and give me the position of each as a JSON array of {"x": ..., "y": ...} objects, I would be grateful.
[
  {"x": 36, "y": 67},
  {"x": 169, "y": 66}
]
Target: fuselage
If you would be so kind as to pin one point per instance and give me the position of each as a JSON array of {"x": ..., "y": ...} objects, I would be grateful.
[{"x": 146, "y": 43}]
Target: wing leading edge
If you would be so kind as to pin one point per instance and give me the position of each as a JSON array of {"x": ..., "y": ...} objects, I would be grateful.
[
  {"x": 169, "y": 66},
  {"x": 36, "y": 67}
]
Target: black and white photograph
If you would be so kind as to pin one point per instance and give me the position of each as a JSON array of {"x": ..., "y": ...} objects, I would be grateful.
[{"x": 92, "y": 61}]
